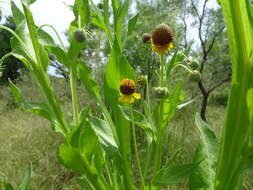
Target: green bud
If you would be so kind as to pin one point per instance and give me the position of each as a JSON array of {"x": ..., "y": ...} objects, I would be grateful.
[
  {"x": 79, "y": 35},
  {"x": 194, "y": 76},
  {"x": 194, "y": 64},
  {"x": 142, "y": 80},
  {"x": 160, "y": 92},
  {"x": 1, "y": 74},
  {"x": 100, "y": 5}
]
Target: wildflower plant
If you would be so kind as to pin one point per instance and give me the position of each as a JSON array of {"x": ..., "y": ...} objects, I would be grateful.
[{"x": 98, "y": 149}]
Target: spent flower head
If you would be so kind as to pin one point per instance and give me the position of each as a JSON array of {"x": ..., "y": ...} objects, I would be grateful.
[{"x": 127, "y": 89}]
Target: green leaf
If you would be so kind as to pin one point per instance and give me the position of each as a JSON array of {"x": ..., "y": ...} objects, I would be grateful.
[
  {"x": 174, "y": 174},
  {"x": 104, "y": 132},
  {"x": 71, "y": 158},
  {"x": 131, "y": 24},
  {"x": 250, "y": 12},
  {"x": 8, "y": 187},
  {"x": 45, "y": 38},
  {"x": 138, "y": 118},
  {"x": 38, "y": 108},
  {"x": 250, "y": 102},
  {"x": 27, "y": 178},
  {"x": 60, "y": 55},
  {"x": 29, "y": 2},
  {"x": 250, "y": 107},
  {"x": 207, "y": 152},
  {"x": 17, "y": 15},
  {"x": 119, "y": 21},
  {"x": 16, "y": 92},
  {"x": 83, "y": 182},
  {"x": 90, "y": 84},
  {"x": 82, "y": 10}
]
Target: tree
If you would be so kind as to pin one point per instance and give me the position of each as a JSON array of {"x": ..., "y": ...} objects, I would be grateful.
[{"x": 12, "y": 66}]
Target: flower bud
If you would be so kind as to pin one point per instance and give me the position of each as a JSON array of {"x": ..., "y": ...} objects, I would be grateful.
[
  {"x": 79, "y": 35},
  {"x": 194, "y": 64},
  {"x": 146, "y": 38},
  {"x": 1, "y": 74},
  {"x": 100, "y": 5},
  {"x": 194, "y": 76},
  {"x": 160, "y": 92},
  {"x": 142, "y": 80}
]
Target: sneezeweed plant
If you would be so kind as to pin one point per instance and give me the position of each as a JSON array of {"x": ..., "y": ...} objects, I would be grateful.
[{"x": 98, "y": 149}]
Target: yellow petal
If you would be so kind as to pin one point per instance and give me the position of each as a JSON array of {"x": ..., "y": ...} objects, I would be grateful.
[
  {"x": 171, "y": 45},
  {"x": 137, "y": 96},
  {"x": 125, "y": 98}
]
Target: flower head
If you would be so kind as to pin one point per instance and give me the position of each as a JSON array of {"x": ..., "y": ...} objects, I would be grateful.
[
  {"x": 162, "y": 38},
  {"x": 127, "y": 89}
]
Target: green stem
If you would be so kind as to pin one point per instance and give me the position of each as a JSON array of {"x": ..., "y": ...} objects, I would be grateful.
[
  {"x": 183, "y": 66},
  {"x": 92, "y": 176},
  {"x": 47, "y": 90},
  {"x": 161, "y": 71},
  {"x": 55, "y": 31},
  {"x": 74, "y": 94},
  {"x": 136, "y": 150},
  {"x": 160, "y": 128}
]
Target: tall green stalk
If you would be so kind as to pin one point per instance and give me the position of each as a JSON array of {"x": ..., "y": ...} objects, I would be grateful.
[
  {"x": 73, "y": 76},
  {"x": 235, "y": 134}
]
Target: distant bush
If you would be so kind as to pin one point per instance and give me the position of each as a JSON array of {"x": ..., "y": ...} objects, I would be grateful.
[{"x": 12, "y": 66}]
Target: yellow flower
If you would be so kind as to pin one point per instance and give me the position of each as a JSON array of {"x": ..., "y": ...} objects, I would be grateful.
[
  {"x": 161, "y": 39},
  {"x": 127, "y": 89}
]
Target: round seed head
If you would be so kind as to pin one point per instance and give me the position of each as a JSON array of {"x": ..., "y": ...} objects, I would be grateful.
[
  {"x": 146, "y": 37},
  {"x": 100, "y": 5},
  {"x": 79, "y": 35},
  {"x": 162, "y": 35},
  {"x": 160, "y": 92},
  {"x": 194, "y": 64},
  {"x": 127, "y": 86},
  {"x": 194, "y": 76}
]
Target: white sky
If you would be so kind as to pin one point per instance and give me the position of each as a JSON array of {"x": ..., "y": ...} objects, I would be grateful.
[{"x": 53, "y": 12}]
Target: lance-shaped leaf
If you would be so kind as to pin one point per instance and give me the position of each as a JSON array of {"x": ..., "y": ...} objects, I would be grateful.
[
  {"x": 204, "y": 175},
  {"x": 174, "y": 174},
  {"x": 27, "y": 178}
]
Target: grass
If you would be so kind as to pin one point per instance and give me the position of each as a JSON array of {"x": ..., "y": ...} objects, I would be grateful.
[{"x": 26, "y": 138}]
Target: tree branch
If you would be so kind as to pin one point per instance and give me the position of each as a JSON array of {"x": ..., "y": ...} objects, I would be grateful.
[{"x": 220, "y": 83}]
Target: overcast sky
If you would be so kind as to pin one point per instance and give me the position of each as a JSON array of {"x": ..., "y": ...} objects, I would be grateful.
[{"x": 53, "y": 12}]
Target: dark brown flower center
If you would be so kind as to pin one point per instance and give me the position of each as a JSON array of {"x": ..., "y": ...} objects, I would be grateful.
[
  {"x": 146, "y": 37},
  {"x": 127, "y": 86},
  {"x": 162, "y": 35}
]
